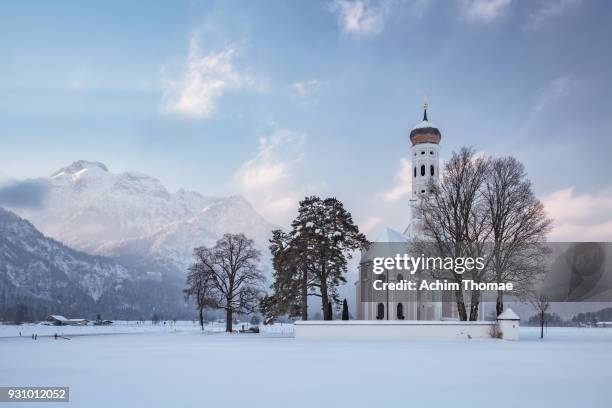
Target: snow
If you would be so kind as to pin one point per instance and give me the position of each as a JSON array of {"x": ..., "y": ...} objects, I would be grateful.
[
  {"x": 569, "y": 368},
  {"x": 391, "y": 235},
  {"x": 508, "y": 314},
  {"x": 133, "y": 216},
  {"x": 424, "y": 124}
]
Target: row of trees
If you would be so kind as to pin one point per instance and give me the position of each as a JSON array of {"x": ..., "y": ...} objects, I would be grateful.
[
  {"x": 486, "y": 207},
  {"x": 308, "y": 261},
  {"x": 482, "y": 207}
]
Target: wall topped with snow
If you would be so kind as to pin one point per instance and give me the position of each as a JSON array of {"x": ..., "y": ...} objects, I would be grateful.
[{"x": 399, "y": 330}]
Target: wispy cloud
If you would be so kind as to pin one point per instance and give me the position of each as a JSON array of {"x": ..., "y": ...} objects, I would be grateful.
[
  {"x": 276, "y": 155},
  {"x": 549, "y": 10},
  {"x": 556, "y": 90},
  {"x": 361, "y": 17},
  {"x": 580, "y": 217},
  {"x": 268, "y": 179},
  {"x": 23, "y": 194},
  {"x": 203, "y": 80},
  {"x": 402, "y": 183},
  {"x": 484, "y": 11},
  {"x": 307, "y": 91}
]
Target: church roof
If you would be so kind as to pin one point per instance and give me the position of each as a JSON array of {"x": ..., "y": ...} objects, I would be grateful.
[
  {"x": 424, "y": 125},
  {"x": 508, "y": 314},
  {"x": 425, "y": 131},
  {"x": 391, "y": 235}
]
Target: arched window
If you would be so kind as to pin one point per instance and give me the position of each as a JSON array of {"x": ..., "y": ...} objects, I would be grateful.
[
  {"x": 422, "y": 170},
  {"x": 431, "y": 170},
  {"x": 400, "y": 311},
  {"x": 414, "y": 171},
  {"x": 400, "y": 277},
  {"x": 380, "y": 311}
]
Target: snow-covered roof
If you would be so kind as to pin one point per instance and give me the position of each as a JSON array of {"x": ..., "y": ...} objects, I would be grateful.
[
  {"x": 57, "y": 317},
  {"x": 391, "y": 235},
  {"x": 508, "y": 314},
  {"x": 424, "y": 124}
]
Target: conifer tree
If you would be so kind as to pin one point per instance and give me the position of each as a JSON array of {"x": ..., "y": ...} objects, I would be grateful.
[
  {"x": 311, "y": 259},
  {"x": 345, "y": 311}
]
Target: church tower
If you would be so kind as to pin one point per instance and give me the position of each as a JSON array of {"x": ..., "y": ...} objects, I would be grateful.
[
  {"x": 425, "y": 151},
  {"x": 425, "y": 138}
]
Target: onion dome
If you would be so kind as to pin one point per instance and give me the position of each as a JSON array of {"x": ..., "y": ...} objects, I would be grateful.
[{"x": 425, "y": 132}]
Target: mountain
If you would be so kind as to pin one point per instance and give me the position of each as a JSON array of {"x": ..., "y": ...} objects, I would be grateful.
[
  {"x": 169, "y": 250},
  {"x": 133, "y": 218},
  {"x": 50, "y": 277}
]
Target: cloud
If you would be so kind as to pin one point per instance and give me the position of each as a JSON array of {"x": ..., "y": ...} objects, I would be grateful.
[
  {"x": 203, "y": 80},
  {"x": 361, "y": 17},
  {"x": 24, "y": 194},
  {"x": 580, "y": 217},
  {"x": 307, "y": 91},
  {"x": 276, "y": 155},
  {"x": 484, "y": 11},
  {"x": 369, "y": 224},
  {"x": 558, "y": 88},
  {"x": 402, "y": 183},
  {"x": 268, "y": 179},
  {"x": 549, "y": 10}
]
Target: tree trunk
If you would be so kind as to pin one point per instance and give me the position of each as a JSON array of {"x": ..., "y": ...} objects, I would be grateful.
[
  {"x": 325, "y": 301},
  {"x": 499, "y": 306},
  {"x": 542, "y": 324},
  {"x": 474, "y": 304},
  {"x": 229, "y": 320},
  {"x": 201, "y": 316},
  {"x": 305, "y": 295},
  {"x": 460, "y": 305}
]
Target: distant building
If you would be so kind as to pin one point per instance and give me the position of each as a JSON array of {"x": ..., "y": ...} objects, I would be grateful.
[{"x": 59, "y": 320}]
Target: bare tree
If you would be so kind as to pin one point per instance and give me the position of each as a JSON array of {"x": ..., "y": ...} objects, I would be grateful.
[
  {"x": 452, "y": 218},
  {"x": 519, "y": 226},
  {"x": 541, "y": 304},
  {"x": 230, "y": 274},
  {"x": 198, "y": 288}
]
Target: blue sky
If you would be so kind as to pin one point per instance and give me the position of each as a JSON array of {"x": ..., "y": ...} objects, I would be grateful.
[{"x": 275, "y": 100}]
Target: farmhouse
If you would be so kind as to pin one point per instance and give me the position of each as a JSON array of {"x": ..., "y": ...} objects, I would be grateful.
[{"x": 59, "y": 320}]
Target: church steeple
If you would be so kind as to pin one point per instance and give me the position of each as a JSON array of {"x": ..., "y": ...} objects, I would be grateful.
[{"x": 425, "y": 111}]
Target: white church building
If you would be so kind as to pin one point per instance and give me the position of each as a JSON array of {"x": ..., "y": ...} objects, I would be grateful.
[{"x": 425, "y": 138}]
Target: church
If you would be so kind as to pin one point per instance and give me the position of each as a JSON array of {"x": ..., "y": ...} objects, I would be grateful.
[{"x": 425, "y": 139}]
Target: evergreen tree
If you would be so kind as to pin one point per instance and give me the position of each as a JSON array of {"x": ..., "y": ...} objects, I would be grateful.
[
  {"x": 345, "y": 311},
  {"x": 311, "y": 259}
]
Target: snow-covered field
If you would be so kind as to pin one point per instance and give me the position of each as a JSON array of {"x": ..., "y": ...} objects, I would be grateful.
[
  {"x": 185, "y": 368},
  {"x": 129, "y": 327}
]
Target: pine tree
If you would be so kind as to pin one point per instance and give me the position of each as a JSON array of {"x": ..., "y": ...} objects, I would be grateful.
[
  {"x": 345, "y": 311},
  {"x": 311, "y": 259}
]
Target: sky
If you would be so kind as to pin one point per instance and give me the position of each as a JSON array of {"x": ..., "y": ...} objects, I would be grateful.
[{"x": 276, "y": 100}]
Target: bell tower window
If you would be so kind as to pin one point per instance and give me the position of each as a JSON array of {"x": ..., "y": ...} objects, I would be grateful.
[
  {"x": 422, "y": 170},
  {"x": 431, "y": 169}
]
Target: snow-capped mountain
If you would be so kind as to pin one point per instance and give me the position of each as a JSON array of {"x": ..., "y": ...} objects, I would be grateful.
[
  {"x": 50, "y": 277},
  {"x": 132, "y": 217},
  {"x": 46, "y": 268},
  {"x": 170, "y": 248}
]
